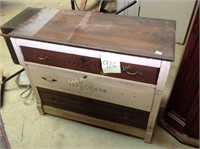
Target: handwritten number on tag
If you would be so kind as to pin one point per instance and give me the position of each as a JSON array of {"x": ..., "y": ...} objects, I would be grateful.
[{"x": 109, "y": 64}]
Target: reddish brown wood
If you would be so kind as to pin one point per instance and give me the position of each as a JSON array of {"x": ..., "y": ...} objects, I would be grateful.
[
  {"x": 88, "y": 64},
  {"x": 94, "y": 108},
  {"x": 182, "y": 112},
  {"x": 192, "y": 119},
  {"x": 1, "y": 87},
  {"x": 118, "y": 34},
  {"x": 187, "y": 82},
  {"x": 189, "y": 86},
  {"x": 4, "y": 142}
]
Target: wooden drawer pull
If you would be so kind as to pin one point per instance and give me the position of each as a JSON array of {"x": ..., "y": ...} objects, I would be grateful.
[{"x": 49, "y": 80}]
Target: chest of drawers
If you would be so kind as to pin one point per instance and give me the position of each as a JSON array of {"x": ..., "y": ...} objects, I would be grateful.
[{"x": 62, "y": 52}]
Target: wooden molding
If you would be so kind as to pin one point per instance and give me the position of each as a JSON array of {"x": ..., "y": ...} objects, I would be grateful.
[{"x": 183, "y": 138}]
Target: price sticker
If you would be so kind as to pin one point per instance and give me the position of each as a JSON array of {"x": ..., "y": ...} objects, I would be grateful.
[
  {"x": 110, "y": 63},
  {"x": 158, "y": 52}
]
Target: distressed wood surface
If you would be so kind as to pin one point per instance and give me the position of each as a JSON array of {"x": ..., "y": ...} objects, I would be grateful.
[
  {"x": 162, "y": 78},
  {"x": 103, "y": 88},
  {"x": 88, "y": 64},
  {"x": 141, "y": 41},
  {"x": 18, "y": 43},
  {"x": 120, "y": 34},
  {"x": 95, "y": 121},
  {"x": 15, "y": 23},
  {"x": 95, "y": 108}
]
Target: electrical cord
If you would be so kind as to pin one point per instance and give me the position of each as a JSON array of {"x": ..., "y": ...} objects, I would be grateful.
[
  {"x": 26, "y": 93},
  {"x": 76, "y": 5}
]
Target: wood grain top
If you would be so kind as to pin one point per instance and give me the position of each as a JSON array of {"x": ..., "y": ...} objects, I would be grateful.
[{"x": 152, "y": 38}]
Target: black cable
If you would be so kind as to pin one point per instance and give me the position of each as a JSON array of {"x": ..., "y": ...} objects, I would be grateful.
[
  {"x": 125, "y": 7},
  {"x": 77, "y": 5},
  {"x": 13, "y": 75}
]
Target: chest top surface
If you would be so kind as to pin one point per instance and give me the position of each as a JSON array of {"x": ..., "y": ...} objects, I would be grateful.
[{"x": 152, "y": 38}]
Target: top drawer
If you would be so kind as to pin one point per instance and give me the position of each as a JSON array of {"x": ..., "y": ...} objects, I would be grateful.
[{"x": 132, "y": 72}]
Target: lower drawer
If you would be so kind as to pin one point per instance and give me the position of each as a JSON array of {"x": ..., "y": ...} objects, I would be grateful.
[
  {"x": 94, "y": 108},
  {"x": 103, "y": 88}
]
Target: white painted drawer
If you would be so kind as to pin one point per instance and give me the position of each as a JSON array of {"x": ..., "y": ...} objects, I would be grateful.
[{"x": 113, "y": 90}]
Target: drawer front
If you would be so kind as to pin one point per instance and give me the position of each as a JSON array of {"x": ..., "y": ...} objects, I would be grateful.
[
  {"x": 94, "y": 108},
  {"x": 118, "y": 91},
  {"x": 89, "y": 64}
]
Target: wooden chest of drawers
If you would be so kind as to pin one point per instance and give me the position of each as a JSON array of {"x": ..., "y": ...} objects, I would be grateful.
[{"x": 64, "y": 52}]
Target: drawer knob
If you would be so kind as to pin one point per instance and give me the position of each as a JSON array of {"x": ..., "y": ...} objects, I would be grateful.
[
  {"x": 83, "y": 59},
  {"x": 49, "y": 80}
]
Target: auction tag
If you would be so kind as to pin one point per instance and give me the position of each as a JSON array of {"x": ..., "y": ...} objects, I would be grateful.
[{"x": 110, "y": 63}]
